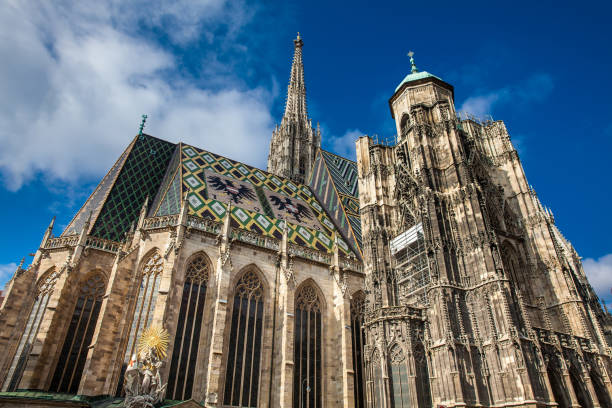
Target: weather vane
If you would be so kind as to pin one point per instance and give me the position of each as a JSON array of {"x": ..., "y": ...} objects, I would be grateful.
[
  {"x": 142, "y": 124},
  {"x": 413, "y": 68}
]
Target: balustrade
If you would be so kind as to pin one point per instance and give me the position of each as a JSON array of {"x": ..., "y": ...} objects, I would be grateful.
[
  {"x": 62, "y": 242},
  {"x": 160, "y": 222},
  {"x": 103, "y": 244}
]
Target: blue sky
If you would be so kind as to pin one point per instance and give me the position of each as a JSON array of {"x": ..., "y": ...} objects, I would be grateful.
[{"x": 76, "y": 77}]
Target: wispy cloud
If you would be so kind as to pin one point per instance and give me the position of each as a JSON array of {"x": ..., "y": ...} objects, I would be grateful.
[
  {"x": 75, "y": 78},
  {"x": 533, "y": 89},
  {"x": 599, "y": 272},
  {"x": 6, "y": 272},
  {"x": 345, "y": 145}
]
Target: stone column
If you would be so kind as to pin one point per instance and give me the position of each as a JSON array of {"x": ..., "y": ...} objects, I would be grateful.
[
  {"x": 342, "y": 310},
  {"x": 220, "y": 293},
  {"x": 285, "y": 329}
]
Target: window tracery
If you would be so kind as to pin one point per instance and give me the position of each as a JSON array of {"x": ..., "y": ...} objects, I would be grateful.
[
  {"x": 405, "y": 124},
  {"x": 79, "y": 336},
  {"x": 44, "y": 291},
  {"x": 186, "y": 341},
  {"x": 145, "y": 304},
  {"x": 399, "y": 377},
  {"x": 307, "y": 371},
  {"x": 243, "y": 363},
  {"x": 378, "y": 389}
]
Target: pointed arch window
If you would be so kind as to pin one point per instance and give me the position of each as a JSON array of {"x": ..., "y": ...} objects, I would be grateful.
[
  {"x": 307, "y": 371},
  {"x": 186, "y": 341},
  {"x": 405, "y": 124},
  {"x": 243, "y": 361},
  {"x": 145, "y": 304},
  {"x": 358, "y": 340},
  {"x": 399, "y": 377},
  {"x": 378, "y": 388},
  {"x": 43, "y": 293},
  {"x": 79, "y": 336}
]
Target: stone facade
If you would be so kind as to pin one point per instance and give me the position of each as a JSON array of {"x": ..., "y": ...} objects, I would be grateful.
[
  {"x": 474, "y": 296},
  {"x": 447, "y": 285},
  {"x": 281, "y": 266}
]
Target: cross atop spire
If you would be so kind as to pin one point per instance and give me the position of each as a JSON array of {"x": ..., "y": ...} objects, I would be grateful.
[
  {"x": 142, "y": 124},
  {"x": 413, "y": 67}
]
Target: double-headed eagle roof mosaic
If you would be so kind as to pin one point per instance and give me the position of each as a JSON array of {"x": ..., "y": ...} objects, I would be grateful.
[{"x": 260, "y": 201}]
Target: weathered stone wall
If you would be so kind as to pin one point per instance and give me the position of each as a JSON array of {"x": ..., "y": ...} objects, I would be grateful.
[
  {"x": 280, "y": 271},
  {"x": 508, "y": 316}
]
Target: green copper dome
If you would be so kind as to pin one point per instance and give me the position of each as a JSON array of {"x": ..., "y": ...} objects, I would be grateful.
[{"x": 416, "y": 76}]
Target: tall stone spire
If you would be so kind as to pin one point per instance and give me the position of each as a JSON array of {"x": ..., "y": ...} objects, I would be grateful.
[
  {"x": 295, "y": 107},
  {"x": 294, "y": 143}
]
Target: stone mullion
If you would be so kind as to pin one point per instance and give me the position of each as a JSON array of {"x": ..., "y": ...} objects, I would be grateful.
[
  {"x": 167, "y": 306},
  {"x": 343, "y": 315},
  {"x": 220, "y": 291},
  {"x": 283, "y": 370},
  {"x": 204, "y": 343}
]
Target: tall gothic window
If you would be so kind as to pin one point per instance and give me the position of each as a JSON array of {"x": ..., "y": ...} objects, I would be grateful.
[
  {"x": 242, "y": 373},
  {"x": 399, "y": 377},
  {"x": 378, "y": 387},
  {"x": 78, "y": 338},
  {"x": 358, "y": 337},
  {"x": 307, "y": 372},
  {"x": 145, "y": 304},
  {"x": 185, "y": 352},
  {"x": 405, "y": 124},
  {"x": 30, "y": 331}
]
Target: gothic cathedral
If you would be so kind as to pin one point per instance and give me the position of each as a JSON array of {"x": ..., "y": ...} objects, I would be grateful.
[{"x": 426, "y": 274}]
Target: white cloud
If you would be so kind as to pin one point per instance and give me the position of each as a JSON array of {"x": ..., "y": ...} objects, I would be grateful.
[
  {"x": 345, "y": 145},
  {"x": 76, "y": 77},
  {"x": 6, "y": 273},
  {"x": 481, "y": 105},
  {"x": 533, "y": 89},
  {"x": 599, "y": 272}
]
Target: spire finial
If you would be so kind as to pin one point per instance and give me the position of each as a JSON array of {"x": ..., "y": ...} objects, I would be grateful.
[
  {"x": 413, "y": 67},
  {"x": 298, "y": 41},
  {"x": 142, "y": 124}
]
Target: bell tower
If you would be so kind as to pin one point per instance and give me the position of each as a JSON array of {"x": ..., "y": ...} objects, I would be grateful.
[
  {"x": 294, "y": 142},
  {"x": 453, "y": 242}
]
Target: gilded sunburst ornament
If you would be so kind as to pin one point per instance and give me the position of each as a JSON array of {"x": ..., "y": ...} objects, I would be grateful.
[{"x": 154, "y": 338}]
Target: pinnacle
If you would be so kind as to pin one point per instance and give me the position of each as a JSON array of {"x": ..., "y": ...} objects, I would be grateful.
[{"x": 295, "y": 107}]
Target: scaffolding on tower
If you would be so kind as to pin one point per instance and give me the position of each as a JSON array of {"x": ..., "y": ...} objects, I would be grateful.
[{"x": 411, "y": 265}]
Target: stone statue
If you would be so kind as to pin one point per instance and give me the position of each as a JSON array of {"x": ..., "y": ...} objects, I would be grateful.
[{"x": 142, "y": 384}]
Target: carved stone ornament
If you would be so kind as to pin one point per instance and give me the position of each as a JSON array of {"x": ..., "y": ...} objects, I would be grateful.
[{"x": 142, "y": 383}]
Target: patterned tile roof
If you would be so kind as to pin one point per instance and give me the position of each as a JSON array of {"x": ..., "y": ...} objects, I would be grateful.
[
  {"x": 117, "y": 200},
  {"x": 334, "y": 183},
  {"x": 344, "y": 174},
  {"x": 260, "y": 200},
  {"x": 94, "y": 203}
]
